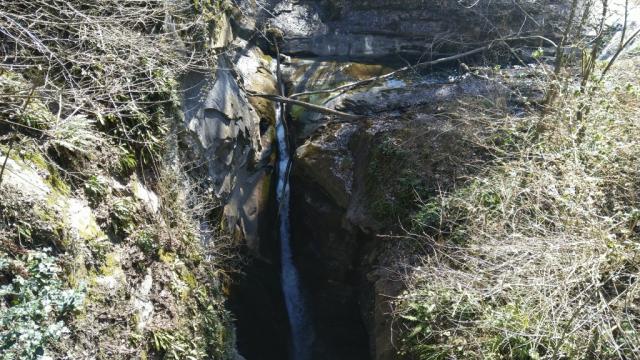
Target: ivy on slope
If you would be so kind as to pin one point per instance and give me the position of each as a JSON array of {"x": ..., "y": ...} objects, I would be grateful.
[{"x": 35, "y": 304}]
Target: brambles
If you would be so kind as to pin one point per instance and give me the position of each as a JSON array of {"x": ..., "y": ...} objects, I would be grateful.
[{"x": 122, "y": 77}]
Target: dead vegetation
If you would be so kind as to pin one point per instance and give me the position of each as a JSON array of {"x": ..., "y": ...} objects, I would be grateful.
[{"x": 536, "y": 256}]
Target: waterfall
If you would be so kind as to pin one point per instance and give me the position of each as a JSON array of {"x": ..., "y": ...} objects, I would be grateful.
[{"x": 301, "y": 331}]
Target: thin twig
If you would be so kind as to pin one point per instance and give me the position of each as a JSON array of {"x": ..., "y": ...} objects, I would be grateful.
[{"x": 4, "y": 164}]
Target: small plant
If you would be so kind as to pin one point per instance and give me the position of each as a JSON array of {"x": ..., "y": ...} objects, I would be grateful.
[
  {"x": 176, "y": 346},
  {"x": 123, "y": 215},
  {"x": 96, "y": 189},
  {"x": 35, "y": 305},
  {"x": 147, "y": 241},
  {"x": 537, "y": 54},
  {"x": 428, "y": 217},
  {"x": 127, "y": 162}
]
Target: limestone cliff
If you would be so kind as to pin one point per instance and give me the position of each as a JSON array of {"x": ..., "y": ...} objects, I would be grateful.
[{"x": 388, "y": 30}]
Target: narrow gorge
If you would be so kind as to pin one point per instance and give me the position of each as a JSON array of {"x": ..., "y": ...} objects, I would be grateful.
[
  {"x": 318, "y": 179},
  {"x": 350, "y": 180}
]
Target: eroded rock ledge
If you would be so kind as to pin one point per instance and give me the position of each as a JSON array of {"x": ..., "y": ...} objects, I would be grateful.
[{"x": 383, "y": 30}]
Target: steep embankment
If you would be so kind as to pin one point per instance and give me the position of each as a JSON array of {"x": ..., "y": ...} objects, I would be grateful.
[
  {"x": 536, "y": 255},
  {"x": 121, "y": 144}
]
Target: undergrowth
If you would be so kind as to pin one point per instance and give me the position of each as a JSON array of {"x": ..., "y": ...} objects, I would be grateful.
[
  {"x": 36, "y": 305},
  {"x": 89, "y": 100},
  {"x": 538, "y": 255}
]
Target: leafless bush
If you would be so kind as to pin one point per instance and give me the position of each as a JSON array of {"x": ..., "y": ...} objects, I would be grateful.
[{"x": 114, "y": 61}]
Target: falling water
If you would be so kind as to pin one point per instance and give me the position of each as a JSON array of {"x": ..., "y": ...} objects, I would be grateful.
[{"x": 301, "y": 332}]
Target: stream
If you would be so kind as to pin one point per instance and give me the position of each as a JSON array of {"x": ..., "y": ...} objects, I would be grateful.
[{"x": 299, "y": 322}]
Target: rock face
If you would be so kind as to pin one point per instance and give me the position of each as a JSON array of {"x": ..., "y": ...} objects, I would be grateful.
[
  {"x": 232, "y": 138},
  {"x": 350, "y": 184},
  {"x": 336, "y": 222},
  {"x": 349, "y": 180},
  {"x": 383, "y": 30}
]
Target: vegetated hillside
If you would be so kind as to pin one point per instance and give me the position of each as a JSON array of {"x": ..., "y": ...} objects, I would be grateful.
[
  {"x": 101, "y": 227},
  {"x": 537, "y": 254},
  {"x": 527, "y": 250}
]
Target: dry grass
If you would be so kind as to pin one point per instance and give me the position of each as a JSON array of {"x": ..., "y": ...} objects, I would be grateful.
[{"x": 538, "y": 257}]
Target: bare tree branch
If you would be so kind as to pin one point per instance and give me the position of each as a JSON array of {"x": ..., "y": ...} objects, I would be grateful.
[
  {"x": 618, "y": 52},
  {"x": 355, "y": 84},
  {"x": 313, "y": 107},
  {"x": 393, "y": 73}
]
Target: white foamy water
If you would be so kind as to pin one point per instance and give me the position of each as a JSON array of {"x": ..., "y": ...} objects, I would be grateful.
[{"x": 301, "y": 330}]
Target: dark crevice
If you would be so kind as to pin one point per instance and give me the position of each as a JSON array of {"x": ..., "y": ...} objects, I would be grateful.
[
  {"x": 328, "y": 257},
  {"x": 327, "y": 254}
]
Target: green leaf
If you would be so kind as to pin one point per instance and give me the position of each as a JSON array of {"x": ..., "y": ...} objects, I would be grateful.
[
  {"x": 416, "y": 330},
  {"x": 409, "y": 317}
]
